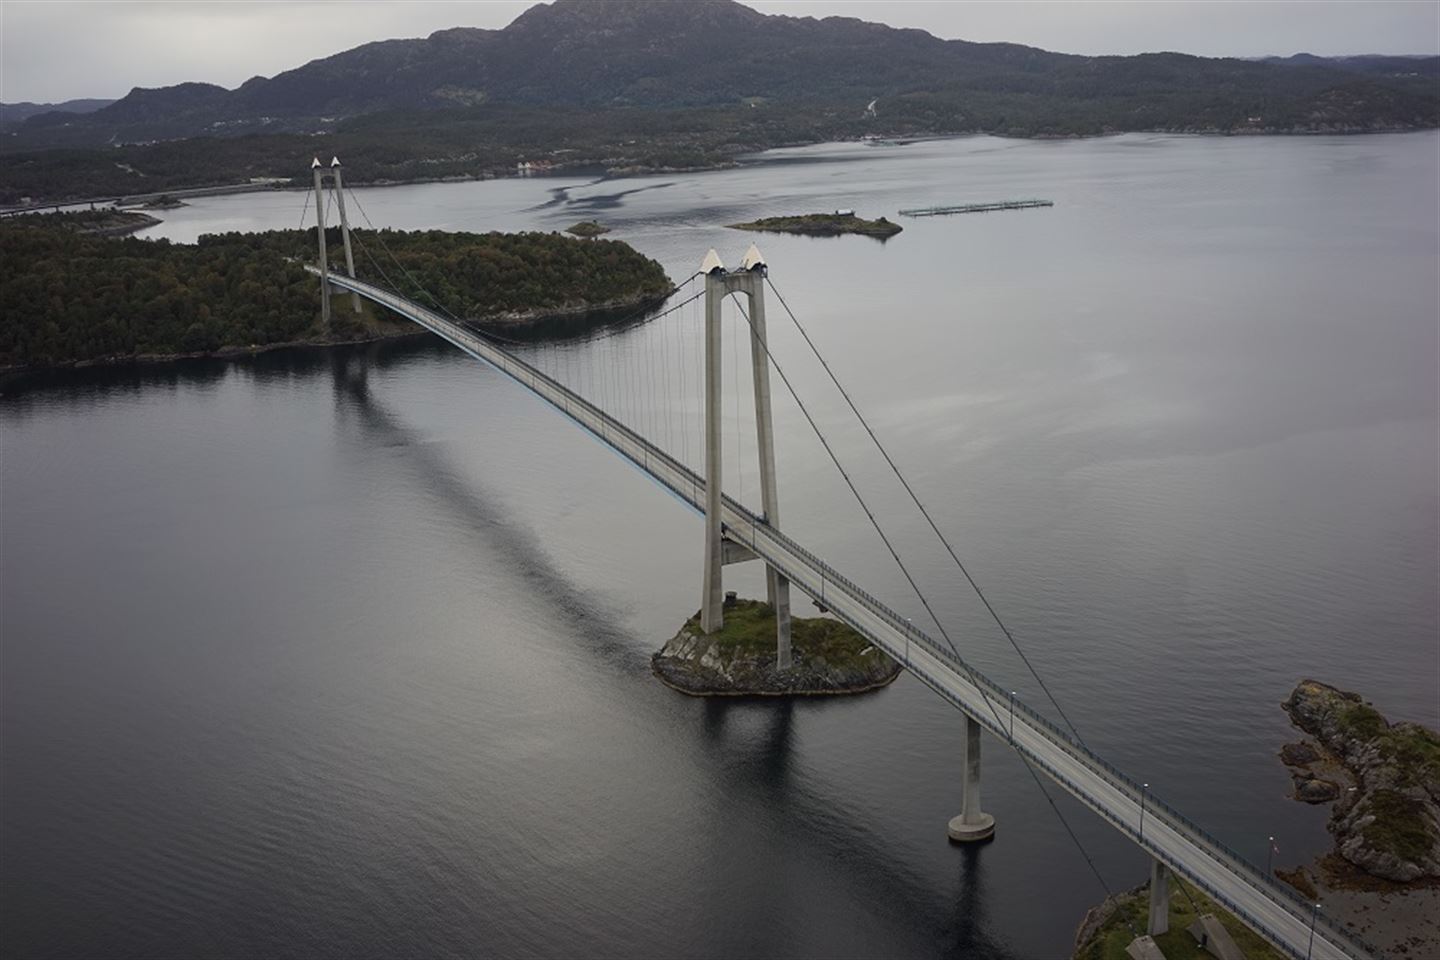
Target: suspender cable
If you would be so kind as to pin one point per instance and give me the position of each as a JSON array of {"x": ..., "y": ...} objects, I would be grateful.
[
  {"x": 305, "y": 207},
  {"x": 994, "y": 710},
  {"x": 739, "y": 446},
  {"x": 994, "y": 615}
]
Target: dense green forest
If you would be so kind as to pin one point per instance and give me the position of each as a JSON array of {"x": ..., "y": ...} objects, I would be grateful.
[
  {"x": 70, "y": 296},
  {"x": 494, "y": 275}
]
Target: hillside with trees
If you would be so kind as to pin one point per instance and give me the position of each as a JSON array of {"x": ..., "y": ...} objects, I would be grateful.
[
  {"x": 628, "y": 83},
  {"x": 69, "y": 296}
]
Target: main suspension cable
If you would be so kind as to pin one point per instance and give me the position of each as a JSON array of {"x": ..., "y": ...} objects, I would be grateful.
[
  {"x": 819, "y": 434},
  {"x": 994, "y": 614},
  {"x": 305, "y": 206},
  {"x": 874, "y": 522},
  {"x": 443, "y": 309}
]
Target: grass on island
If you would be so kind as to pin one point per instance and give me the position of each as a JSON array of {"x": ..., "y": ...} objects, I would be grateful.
[
  {"x": 1114, "y": 935},
  {"x": 823, "y": 225},
  {"x": 750, "y": 629},
  {"x": 1400, "y": 827},
  {"x": 1415, "y": 750}
]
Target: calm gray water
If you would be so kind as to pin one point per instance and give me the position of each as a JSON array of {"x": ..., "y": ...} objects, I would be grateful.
[{"x": 346, "y": 653}]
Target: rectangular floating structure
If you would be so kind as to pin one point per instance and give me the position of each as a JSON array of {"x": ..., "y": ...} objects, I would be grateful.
[{"x": 977, "y": 207}]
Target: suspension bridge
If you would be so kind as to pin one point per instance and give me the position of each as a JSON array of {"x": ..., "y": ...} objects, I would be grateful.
[{"x": 735, "y": 533}]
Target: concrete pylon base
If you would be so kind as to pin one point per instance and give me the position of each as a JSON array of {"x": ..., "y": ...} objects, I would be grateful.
[
  {"x": 983, "y": 828},
  {"x": 1144, "y": 948}
]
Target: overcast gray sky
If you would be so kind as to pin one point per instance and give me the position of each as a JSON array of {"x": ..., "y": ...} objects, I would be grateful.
[{"x": 63, "y": 49}]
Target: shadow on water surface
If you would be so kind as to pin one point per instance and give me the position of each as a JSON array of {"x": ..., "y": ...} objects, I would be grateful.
[
  {"x": 21, "y": 388},
  {"x": 751, "y": 741},
  {"x": 484, "y": 515},
  {"x": 757, "y": 772},
  {"x": 560, "y": 197}
]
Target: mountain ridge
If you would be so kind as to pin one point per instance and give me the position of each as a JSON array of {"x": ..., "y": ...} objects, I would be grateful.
[{"x": 607, "y": 53}]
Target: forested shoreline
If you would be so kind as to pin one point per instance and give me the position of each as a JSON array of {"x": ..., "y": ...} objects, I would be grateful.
[{"x": 68, "y": 296}]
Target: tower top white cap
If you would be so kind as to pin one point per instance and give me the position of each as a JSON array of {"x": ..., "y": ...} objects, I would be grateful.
[
  {"x": 753, "y": 260},
  {"x": 712, "y": 263}
]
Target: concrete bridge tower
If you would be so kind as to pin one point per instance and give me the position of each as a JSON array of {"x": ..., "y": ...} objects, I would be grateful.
[
  {"x": 344, "y": 227},
  {"x": 320, "y": 230},
  {"x": 719, "y": 550},
  {"x": 319, "y": 172}
]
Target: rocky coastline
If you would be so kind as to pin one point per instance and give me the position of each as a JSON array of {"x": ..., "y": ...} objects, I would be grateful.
[
  {"x": 1109, "y": 927},
  {"x": 1381, "y": 880},
  {"x": 829, "y": 658},
  {"x": 1384, "y": 779}
]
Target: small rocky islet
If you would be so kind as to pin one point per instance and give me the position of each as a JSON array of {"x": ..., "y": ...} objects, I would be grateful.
[
  {"x": 1383, "y": 777},
  {"x": 587, "y": 229},
  {"x": 828, "y": 657}
]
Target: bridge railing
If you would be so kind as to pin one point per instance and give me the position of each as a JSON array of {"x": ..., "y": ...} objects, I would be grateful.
[
  {"x": 1000, "y": 700},
  {"x": 688, "y": 485}
]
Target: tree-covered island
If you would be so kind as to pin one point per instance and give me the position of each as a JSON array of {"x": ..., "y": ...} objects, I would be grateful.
[
  {"x": 824, "y": 225},
  {"x": 68, "y": 295}
]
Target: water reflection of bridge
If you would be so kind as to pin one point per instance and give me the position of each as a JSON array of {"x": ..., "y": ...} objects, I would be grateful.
[{"x": 735, "y": 533}]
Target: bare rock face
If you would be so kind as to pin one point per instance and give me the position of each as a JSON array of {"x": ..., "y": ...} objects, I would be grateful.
[
  {"x": 1315, "y": 790},
  {"x": 1299, "y": 754},
  {"x": 1389, "y": 826}
]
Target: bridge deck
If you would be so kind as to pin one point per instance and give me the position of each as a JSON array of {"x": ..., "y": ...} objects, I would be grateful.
[{"x": 1273, "y": 909}]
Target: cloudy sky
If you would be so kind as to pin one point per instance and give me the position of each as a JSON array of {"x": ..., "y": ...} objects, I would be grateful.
[{"x": 57, "y": 49}]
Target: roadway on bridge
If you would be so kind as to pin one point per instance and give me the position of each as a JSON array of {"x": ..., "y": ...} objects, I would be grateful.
[{"x": 1271, "y": 908}]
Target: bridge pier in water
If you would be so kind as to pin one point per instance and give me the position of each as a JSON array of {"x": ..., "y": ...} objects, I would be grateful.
[
  {"x": 972, "y": 824},
  {"x": 749, "y": 281}
]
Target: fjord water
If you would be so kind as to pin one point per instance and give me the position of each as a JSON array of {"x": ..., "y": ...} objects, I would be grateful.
[{"x": 345, "y": 653}]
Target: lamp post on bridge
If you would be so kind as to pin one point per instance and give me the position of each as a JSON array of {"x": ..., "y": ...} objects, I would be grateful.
[{"x": 1314, "y": 916}]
